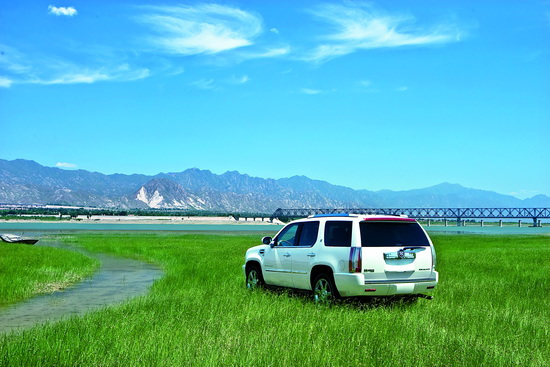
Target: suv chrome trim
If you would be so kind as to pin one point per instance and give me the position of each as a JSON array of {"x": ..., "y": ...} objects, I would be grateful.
[
  {"x": 286, "y": 271},
  {"x": 424, "y": 280},
  {"x": 286, "y": 246}
]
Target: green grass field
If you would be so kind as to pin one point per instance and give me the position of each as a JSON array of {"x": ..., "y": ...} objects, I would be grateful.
[
  {"x": 29, "y": 270},
  {"x": 491, "y": 308}
]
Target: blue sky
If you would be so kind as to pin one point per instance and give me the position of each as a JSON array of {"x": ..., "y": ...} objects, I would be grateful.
[{"x": 371, "y": 95}]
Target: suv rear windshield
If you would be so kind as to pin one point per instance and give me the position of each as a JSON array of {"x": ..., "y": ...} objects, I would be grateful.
[{"x": 392, "y": 234}]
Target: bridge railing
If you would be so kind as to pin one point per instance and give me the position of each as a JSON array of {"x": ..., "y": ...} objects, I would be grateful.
[{"x": 425, "y": 213}]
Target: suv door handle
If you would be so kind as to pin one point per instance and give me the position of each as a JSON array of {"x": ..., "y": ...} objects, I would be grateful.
[
  {"x": 286, "y": 254},
  {"x": 311, "y": 254}
]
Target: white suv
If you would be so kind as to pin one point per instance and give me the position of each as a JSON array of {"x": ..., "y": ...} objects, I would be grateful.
[{"x": 344, "y": 255}]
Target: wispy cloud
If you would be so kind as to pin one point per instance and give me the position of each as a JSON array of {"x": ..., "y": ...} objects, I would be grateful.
[
  {"x": 26, "y": 69},
  {"x": 367, "y": 86},
  {"x": 200, "y": 29},
  {"x": 402, "y": 89},
  {"x": 87, "y": 76},
  {"x": 311, "y": 91},
  {"x": 207, "y": 84},
  {"x": 274, "y": 30},
  {"x": 361, "y": 26},
  {"x": 66, "y": 11},
  {"x": 13, "y": 61},
  {"x": 240, "y": 80},
  {"x": 524, "y": 194},
  {"x": 270, "y": 52},
  {"x": 65, "y": 165},
  {"x": 5, "y": 82}
]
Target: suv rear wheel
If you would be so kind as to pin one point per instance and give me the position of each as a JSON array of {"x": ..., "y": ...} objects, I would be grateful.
[
  {"x": 254, "y": 278},
  {"x": 324, "y": 289}
]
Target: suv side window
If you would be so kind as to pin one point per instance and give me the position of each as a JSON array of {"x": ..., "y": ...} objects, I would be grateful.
[
  {"x": 288, "y": 236},
  {"x": 308, "y": 234},
  {"x": 338, "y": 233}
]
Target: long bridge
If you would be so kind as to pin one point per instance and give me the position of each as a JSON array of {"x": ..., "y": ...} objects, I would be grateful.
[{"x": 536, "y": 214}]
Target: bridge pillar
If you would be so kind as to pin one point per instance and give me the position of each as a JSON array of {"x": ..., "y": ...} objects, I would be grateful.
[
  {"x": 500, "y": 223},
  {"x": 536, "y": 223},
  {"x": 519, "y": 223},
  {"x": 458, "y": 222},
  {"x": 445, "y": 222},
  {"x": 482, "y": 222},
  {"x": 429, "y": 222}
]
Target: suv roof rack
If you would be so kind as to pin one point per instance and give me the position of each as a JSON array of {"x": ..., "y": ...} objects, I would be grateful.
[{"x": 332, "y": 215}]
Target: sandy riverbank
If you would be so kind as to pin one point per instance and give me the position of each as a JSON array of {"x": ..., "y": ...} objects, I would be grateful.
[{"x": 131, "y": 219}]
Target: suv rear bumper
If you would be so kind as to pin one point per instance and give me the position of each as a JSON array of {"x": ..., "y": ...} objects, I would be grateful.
[{"x": 350, "y": 285}]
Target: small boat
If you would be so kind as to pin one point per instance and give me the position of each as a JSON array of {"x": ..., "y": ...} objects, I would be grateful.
[{"x": 12, "y": 238}]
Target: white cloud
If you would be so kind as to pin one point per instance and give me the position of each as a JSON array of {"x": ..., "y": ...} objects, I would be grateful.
[
  {"x": 271, "y": 52},
  {"x": 65, "y": 165},
  {"x": 37, "y": 69},
  {"x": 360, "y": 27},
  {"x": 274, "y": 30},
  {"x": 311, "y": 91},
  {"x": 5, "y": 82},
  {"x": 207, "y": 84},
  {"x": 201, "y": 29},
  {"x": 524, "y": 194},
  {"x": 402, "y": 89},
  {"x": 243, "y": 79},
  {"x": 66, "y": 11},
  {"x": 89, "y": 76},
  {"x": 85, "y": 75},
  {"x": 365, "y": 83},
  {"x": 177, "y": 71},
  {"x": 12, "y": 60}
]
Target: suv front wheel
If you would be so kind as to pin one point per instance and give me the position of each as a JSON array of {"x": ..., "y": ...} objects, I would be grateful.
[
  {"x": 324, "y": 289},
  {"x": 254, "y": 278}
]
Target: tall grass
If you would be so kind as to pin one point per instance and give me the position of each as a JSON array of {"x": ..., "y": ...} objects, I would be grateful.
[
  {"x": 29, "y": 270},
  {"x": 491, "y": 308}
]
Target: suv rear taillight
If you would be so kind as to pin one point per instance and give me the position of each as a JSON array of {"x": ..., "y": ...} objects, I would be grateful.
[
  {"x": 434, "y": 258},
  {"x": 355, "y": 262}
]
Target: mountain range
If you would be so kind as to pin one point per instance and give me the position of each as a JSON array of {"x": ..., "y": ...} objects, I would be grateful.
[{"x": 27, "y": 182}]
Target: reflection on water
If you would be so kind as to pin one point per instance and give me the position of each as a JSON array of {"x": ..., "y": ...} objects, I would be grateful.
[
  {"x": 118, "y": 279},
  {"x": 495, "y": 230}
]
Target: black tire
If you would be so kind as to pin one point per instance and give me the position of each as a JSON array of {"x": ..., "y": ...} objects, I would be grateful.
[
  {"x": 254, "y": 278},
  {"x": 324, "y": 289}
]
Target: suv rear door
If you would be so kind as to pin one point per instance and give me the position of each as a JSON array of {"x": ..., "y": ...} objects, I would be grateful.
[
  {"x": 395, "y": 250},
  {"x": 304, "y": 254}
]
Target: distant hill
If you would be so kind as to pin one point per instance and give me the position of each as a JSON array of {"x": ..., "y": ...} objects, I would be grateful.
[{"x": 27, "y": 182}]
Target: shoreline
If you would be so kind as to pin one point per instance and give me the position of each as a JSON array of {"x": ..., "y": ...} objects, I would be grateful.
[{"x": 111, "y": 219}]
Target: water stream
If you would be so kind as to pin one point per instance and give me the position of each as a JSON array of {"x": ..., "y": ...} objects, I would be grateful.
[{"x": 117, "y": 280}]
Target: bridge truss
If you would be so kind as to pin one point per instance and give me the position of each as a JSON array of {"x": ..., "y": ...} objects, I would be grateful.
[{"x": 427, "y": 213}]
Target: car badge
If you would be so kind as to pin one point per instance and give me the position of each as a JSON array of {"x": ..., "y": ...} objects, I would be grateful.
[{"x": 401, "y": 254}]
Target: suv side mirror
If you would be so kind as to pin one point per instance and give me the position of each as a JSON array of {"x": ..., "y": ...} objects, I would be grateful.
[{"x": 266, "y": 240}]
